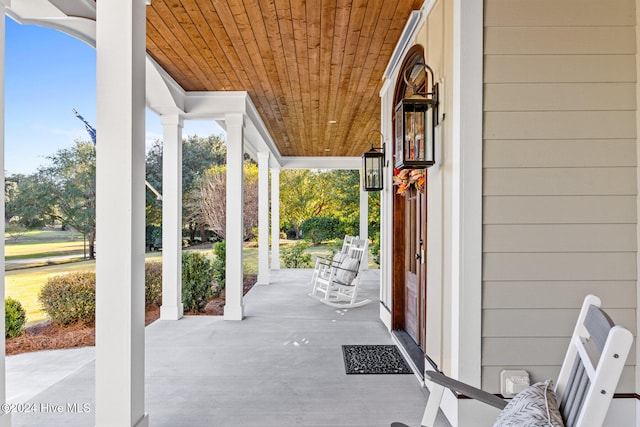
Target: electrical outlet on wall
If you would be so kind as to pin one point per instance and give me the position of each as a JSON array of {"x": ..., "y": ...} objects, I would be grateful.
[{"x": 513, "y": 382}]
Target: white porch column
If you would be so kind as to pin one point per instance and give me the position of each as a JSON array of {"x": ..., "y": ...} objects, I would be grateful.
[
  {"x": 263, "y": 218},
  {"x": 172, "y": 308},
  {"x": 234, "y": 308},
  {"x": 275, "y": 219},
  {"x": 364, "y": 221},
  {"x": 5, "y": 418},
  {"x": 120, "y": 214},
  {"x": 465, "y": 162}
]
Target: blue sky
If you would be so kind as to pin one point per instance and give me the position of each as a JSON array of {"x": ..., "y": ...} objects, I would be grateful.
[{"x": 47, "y": 74}]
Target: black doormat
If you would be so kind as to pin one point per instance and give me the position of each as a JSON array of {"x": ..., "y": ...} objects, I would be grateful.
[{"x": 374, "y": 359}]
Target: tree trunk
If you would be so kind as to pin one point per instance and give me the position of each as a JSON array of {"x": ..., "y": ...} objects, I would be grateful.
[
  {"x": 192, "y": 232},
  {"x": 92, "y": 244},
  {"x": 203, "y": 233}
]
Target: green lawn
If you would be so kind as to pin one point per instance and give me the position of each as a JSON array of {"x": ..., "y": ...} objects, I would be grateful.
[
  {"x": 43, "y": 244},
  {"x": 46, "y": 236},
  {"x": 18, "y": 251}
]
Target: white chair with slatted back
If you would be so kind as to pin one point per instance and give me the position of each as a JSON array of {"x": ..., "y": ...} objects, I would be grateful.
[
  {"x": 587, "y": 381},
  {"x": 592, "y": 366},
  {"x": 347, "y": 242},
  {"x": 323, "y": 264},
  {"x": 339, "y": 288}
]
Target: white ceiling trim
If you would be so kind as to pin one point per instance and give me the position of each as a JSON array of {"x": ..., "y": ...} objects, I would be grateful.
[{"x": 349, "y": 163}]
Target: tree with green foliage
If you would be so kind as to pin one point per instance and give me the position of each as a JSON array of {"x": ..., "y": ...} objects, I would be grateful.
[
  {"x": 198, "y": 155},
  {"x": 22, "y": 203},
  {"x": 303, "y": 195},
  {"x": 153, "y": 175},
  {"x": 321, "y": 228},
  {"x": 346, "y": 198},
  {"x": 10, "y": 194},
  {"x": 306, "y": 195},
  {"x": 65, "y": 190},
  {"x": 374, "y": 217}
]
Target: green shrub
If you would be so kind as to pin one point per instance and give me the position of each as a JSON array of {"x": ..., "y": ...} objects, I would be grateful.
[
  {"x": 219, "y": 266},
  {"x": 321, "y": 228},
  {"x": 294, "y": 257},
  {"x": 153, "y": 283},
  {"x": 14, "y": 318},
  {"x": 197, "y": 277},
  {"x": 351, "y": 225},
  {"x": 375, "y": 248},
  {"x": 70, "y": 298}
]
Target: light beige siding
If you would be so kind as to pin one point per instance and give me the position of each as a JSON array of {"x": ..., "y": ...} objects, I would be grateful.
[
  {"x": 559, "y": 181},
  {"x": 522, "y": 238},
  {"x": 559, "y": 68},
  {"x": 510, "y": 153},
  {"x": 559, "y": 124},
  {"x": 559, "y": 13},
  {"x": 560, "y": 40},
  {"x": 566, "y": 293},
  {"x": 559, "y": 209},
  {"x": 559, "y": 96}
]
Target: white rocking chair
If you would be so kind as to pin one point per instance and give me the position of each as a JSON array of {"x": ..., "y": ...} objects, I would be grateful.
[
  {"x": 336, "y": 284},
  {"x": 347, "y": 242},
  {"x": 322, "y": 263},
  {"x": 587, "y": 381}
]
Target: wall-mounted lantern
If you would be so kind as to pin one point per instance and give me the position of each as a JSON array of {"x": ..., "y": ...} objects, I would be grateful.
[
  {"x": 372, "y": 166},
  {"x": 416, "y": 119}
]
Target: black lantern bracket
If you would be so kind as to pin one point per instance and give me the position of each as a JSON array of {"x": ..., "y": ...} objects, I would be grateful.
[
  {"x": 370, "y": 143},
  {"x": 373, "y": 162},
  {"x": 432, "y": 96}
]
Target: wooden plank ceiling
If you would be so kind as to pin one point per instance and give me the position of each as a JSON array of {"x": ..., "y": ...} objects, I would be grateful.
[{"x": 304, "y": 63}]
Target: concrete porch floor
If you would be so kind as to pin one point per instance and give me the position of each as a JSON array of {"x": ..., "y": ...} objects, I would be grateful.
[{"x": 281, "y": 366}]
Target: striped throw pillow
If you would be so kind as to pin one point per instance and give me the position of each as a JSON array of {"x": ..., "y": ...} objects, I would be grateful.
[{"x": 535, "y": 406}]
